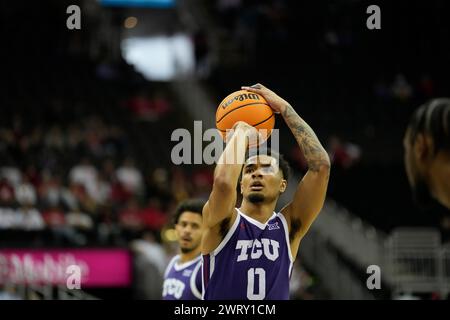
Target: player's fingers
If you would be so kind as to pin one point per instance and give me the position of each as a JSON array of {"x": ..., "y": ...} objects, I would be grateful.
[
  {"x": 251, "y": 89},
  {"x": 257, "y": 86}
]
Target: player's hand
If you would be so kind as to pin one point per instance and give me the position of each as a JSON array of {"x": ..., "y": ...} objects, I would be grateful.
[
  {"x": 251, "y": 132},
  {"x": 277, "y": 103}
]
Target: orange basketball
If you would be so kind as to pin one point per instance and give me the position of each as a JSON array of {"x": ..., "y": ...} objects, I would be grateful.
[{"x": 245, "y": 106}]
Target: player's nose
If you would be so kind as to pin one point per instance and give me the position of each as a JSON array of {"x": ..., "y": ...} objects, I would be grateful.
[
  {"x": 187, "y": 230},
  {"x": 257, "y": 174}
]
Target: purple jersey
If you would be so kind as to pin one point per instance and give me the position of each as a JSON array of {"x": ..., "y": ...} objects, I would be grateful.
[
  {"x": 253, "y": 261},
  {"x": 183, "y": 281}
]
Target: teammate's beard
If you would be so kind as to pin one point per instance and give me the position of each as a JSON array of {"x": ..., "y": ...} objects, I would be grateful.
[
  {"x": 187, "y": 250},
  {"x": 255, "y": 198}
]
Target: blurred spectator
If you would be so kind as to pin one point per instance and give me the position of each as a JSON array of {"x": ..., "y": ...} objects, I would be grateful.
[
  {"x": 7, "y": 197},
  {"x": 54, "y": 217},
  {"x": 83, "y": 199},
  {"x": 119, "y": 194},
  {"x": 103, "y": 194},
  {"x": 135, "y": 218},
  {"x": 85, "y": 174},
  {"x": 130, "y": 177},
  {"x": 151, "y": 250},
  {"x": 79, "y": 220},
  {"x": 343, "y": 154},
  {"x": 130, "y": 217},
  {"x": 159, "y": 185},
  {"x": 26, "y": 194},
  {"x": 149, "y": 108},
  {"x": 31, "y": 174},
  {"x": 202, "y": 181},
  {"x": 11, "y": 174},
  {"x": 30, "y": 219},
  {"x": 62, "y": 233},
  {"x": 179, "y": 185},
  {"x": 152, "y": 215},
  {"x": 149, "y": 263}
]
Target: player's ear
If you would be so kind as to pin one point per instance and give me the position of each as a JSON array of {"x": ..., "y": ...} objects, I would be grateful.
[
  {"x": 240, "y": 186},
  {"x": 423, "y": 147},
  {"x": 283, "y": 186}
]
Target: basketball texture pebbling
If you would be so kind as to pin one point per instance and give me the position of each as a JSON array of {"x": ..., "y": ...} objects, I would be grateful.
[{"x": 245, "y": 106}]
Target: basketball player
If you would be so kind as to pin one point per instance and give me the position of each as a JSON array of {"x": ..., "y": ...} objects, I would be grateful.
[
  {"x": 248, "y": 252},
  {"x": 427, "y": 152},
  {"x": 182, "y": 279}
]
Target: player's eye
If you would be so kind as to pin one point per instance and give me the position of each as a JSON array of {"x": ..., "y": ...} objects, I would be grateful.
[{"x": 267, "y": 170}]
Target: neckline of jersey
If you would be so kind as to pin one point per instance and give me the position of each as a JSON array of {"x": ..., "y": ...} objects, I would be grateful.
[
  {"x": 179, "y": 267},
  {"x": 255, "y": 222}
]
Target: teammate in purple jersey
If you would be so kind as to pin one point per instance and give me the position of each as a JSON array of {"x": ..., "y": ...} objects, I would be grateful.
[
  {"x": 182, "y": 279},
  {"x": 248, "y": 252}
]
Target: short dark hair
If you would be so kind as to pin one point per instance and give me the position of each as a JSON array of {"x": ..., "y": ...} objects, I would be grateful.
[
  {"x": 191, "y": 205},
  {"x": 432, "y": 118},
  {"x": 282, "y": 163}
]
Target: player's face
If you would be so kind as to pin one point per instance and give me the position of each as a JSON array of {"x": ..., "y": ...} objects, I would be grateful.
[
  {"x": 189, "y": 231},
  {"x": 262, "y": 179}
]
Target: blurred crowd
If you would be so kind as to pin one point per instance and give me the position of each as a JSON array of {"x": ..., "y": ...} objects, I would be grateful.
[{"x": 74, "y": 181}]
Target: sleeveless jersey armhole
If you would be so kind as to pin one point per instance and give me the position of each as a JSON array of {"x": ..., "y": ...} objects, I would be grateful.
[
  {"x": 193, "y": 279},
  {"x": 170, "y": 265},
  {"x": 286, "y": 233}
]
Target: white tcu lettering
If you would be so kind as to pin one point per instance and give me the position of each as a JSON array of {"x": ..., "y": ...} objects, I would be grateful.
[
  {"x": 256, "y": 250},
  {"x": 275, "y": 245},
  {"x": 173, "y": 287},
  {"x": 243, "y": 245}
]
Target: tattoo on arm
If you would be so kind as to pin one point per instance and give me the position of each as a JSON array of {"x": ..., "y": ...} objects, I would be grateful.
[{"x": 315, "y": 154}]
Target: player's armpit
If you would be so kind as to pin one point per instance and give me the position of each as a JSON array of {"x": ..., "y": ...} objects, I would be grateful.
[
  {"x": 307, "y": 203},
  {"x": 214, "y": 235}
]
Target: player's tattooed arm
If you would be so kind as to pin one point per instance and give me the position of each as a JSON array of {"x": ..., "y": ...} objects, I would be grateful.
[
  {"x": 310, "y": 194},
  {"x": 315, "y": 155},
  {"x": 309, "y": 197}
]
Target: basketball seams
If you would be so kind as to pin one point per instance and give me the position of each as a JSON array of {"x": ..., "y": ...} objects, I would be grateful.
[
  {"x": 237, "y": 108},
  {"x": 253, "y": 125},
  {"x": 261, "y": 122}
]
